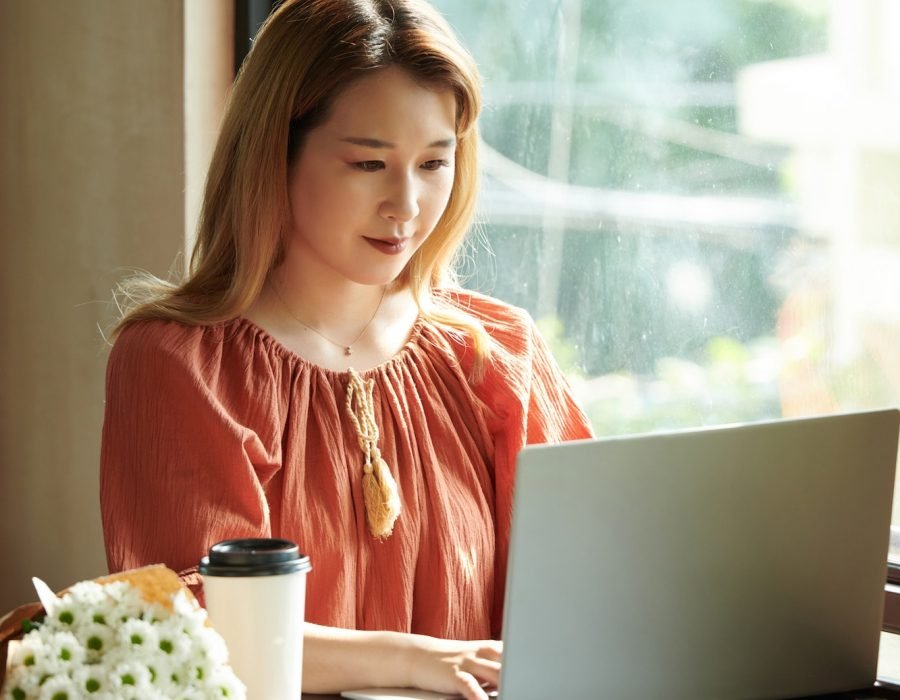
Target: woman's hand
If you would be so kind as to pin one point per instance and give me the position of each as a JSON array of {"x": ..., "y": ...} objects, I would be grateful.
[
  {"x": 340, "y": 659},
  {"x": 448, "y": 666}
]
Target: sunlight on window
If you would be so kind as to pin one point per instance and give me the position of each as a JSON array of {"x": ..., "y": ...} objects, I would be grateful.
[
  {"x": 689, "y": 286},
  {"x": 699, "y": 201}
]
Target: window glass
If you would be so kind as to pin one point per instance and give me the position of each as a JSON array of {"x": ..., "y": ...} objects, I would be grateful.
[{"x": 698, "y": 201}]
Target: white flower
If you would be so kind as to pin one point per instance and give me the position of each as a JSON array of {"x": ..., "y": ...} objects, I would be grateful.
[
  {"x": 96, "y": 639},
  {"x": 213, "y": 646},
  {"x": 36, "y": 655},
  {"x": 225, "y": 683},
  {"x": 108, "y": 643},
  {"x": 91, "y": 680},
  {"x": 88, "y": 594},
  {"x": 91, "y": 601},
  {"x": 172, "y": 640},
  {"x": 28, "y": 650},
  {"x": 21, "y": 683},
  {"x": 138, "y": 635},
  {"x": 59, "y": 688},
  {"x": 128, "y": 677},
  {"x": 66, "y": 616},
  {"x": 65, "y": 647},
  {"x": 161, "y": 671},
  {"x": 126, "y": 602},
  {"x": 153, "y": 694},
  {"x": 190, "y": 616}
]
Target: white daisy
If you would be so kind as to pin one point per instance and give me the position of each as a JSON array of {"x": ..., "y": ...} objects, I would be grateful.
[
  {"x": 138, "y": 635},
  {"x": 65, "y": 647},
  {"x": 92, "y": 680},
  {"x": 225, "y": 684},
  {"x": 213, "y": 645},
  {"x": 96, "y": 640},
  {"x": 36, "y": 656},
  {"x": 128, "y": 676},
  {"x": 59, "y": 688},
  {"x": 172, "y": 640},
  {"x": 87, "y": 594},
  {"x": 127, "y": 602},
  {"x": 21, "y": 683}
]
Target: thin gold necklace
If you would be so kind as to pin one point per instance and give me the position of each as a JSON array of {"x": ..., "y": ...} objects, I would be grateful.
[{"x": 346, "y": 347}]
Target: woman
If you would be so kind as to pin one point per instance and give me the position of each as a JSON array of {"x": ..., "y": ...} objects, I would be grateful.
[{"x": 318, "y": 376}]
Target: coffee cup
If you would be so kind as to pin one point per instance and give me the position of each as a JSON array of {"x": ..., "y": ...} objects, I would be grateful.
[{"x": 255, "y": 592}]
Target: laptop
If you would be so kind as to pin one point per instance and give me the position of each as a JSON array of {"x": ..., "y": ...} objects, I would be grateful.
[{"x": 742, "y": 561}]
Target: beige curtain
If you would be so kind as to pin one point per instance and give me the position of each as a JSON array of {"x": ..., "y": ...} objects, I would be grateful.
[{"x": 93, "y": 160}]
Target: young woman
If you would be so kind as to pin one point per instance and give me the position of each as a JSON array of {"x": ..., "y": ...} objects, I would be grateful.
[{"x": 319, "y": 376}]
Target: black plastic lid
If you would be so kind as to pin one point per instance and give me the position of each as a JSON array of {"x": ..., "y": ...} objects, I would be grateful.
[{"x": 254, "y": 557}]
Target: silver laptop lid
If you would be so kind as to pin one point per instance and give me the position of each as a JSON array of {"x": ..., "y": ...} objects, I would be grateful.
[{"x": 733, "y": 562}]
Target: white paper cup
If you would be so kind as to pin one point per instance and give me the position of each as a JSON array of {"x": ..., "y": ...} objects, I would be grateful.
[{"x": 255, "y": 592}]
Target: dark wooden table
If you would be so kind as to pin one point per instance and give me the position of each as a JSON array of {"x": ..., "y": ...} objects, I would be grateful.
[{"x": 881, "y": 691}]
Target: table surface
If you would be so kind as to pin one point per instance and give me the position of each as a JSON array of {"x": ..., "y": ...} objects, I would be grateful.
[
  {"x": 877, "y": 693},
  {"x": 883, "y": 691}
]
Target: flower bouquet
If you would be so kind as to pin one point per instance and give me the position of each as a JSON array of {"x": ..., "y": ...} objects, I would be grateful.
[{"x": 140, "y": 634}]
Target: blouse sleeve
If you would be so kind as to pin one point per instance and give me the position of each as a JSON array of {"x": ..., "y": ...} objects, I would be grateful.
[
  {"x": 529, "y": 400},
  {"x": 178, "y": 470}
]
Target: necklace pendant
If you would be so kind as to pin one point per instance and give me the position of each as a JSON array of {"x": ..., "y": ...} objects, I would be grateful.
[{"x": 347, "y": 350}]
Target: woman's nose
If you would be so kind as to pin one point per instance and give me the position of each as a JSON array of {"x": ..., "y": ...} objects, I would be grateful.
[{"x": 400, "y": 202}]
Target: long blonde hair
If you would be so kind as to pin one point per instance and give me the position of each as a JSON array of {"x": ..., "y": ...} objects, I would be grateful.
[{"x": 304, "y": 55}]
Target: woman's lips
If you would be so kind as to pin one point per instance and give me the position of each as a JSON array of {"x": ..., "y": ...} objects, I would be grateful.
[{"x": 388, "y": 246}]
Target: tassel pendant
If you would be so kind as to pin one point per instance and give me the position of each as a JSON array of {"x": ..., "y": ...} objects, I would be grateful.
[{"x": 380, "y": 494}]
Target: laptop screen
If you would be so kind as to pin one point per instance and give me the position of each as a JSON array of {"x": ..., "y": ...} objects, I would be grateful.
[{"x": 739, "y": 561}]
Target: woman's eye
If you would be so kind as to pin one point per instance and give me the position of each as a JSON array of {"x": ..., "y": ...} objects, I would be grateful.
[
  {"x": 369, "y": 166},
  {"x": 435, "y": 164}
]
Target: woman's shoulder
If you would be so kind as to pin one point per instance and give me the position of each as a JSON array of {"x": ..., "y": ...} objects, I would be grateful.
[
  {"x": 219, "y": 374},
  {"x": 495, "y": 315},
  {"x": 169, "y": 345},
  {"x": 149, "y": 337},
  {"x": 511, "y": 329}
]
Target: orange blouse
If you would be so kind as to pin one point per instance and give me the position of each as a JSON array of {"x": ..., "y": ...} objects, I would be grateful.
[{"x": 220, "y": 432}]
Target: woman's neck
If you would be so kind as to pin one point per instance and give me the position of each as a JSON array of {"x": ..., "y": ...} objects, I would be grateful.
[
  {"x": 334, "y": 324},
  {"x": 336, "y": 305}
]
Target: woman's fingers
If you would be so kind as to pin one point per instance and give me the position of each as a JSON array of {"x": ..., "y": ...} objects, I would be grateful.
[
  {"x": 469, "y": 686},
  {"x": 483, "y": 669},
  {"x": 454, "y": 666},
  {"x": 491, "y": 650}
]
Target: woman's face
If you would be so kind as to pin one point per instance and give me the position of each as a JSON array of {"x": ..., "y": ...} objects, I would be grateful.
[{"x": 371, "y": 182}]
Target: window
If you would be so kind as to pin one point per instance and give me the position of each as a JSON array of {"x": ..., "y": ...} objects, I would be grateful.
[{"x": 698, "y": 201}]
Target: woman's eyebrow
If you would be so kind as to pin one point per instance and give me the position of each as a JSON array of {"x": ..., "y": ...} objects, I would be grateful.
[{"x": 378, "y": 143}]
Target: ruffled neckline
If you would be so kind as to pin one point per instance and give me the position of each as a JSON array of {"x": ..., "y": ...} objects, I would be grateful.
[{"x": 273, "y": 345}]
